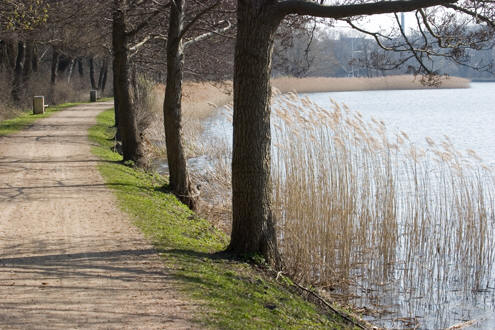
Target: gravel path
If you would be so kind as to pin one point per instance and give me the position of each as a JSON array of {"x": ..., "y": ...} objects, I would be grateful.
[{"x": 68, "y": 257}]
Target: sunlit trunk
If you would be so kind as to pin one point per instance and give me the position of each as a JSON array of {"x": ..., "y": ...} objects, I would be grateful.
[{"x": 180, "y": 182}]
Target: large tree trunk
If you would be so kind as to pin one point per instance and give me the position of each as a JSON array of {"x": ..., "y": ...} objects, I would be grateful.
[
  {"x": 253, "y": 228},
  {"x": 18, "y": 70},
  {"x": 179, "y": 180},
  {"x": 131, "y": 141}
]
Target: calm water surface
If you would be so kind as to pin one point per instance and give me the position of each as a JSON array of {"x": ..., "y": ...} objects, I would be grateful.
[{"x": 466, "y": 116}]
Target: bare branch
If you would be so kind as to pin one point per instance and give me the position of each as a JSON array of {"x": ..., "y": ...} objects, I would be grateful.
[
  {"x": 208, "y": 34},
  {"x": 473, "y": 14},
  {"x": 375, "y": 35},
  {"x": 198, "y": 16},
  {"x": 147, "y": 21},
  {"x": 135, "y": 49}
]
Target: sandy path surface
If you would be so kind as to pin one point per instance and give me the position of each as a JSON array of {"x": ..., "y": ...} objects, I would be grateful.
[{"x": 68, "y": 257}]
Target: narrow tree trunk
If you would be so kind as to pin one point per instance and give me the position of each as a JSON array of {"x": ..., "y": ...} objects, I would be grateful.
[
  {"x": 104, "y": 80},
  {"x": 54, "y": 70},
  {"x": 131, "y": 141},
  {"x": 3, "y": 55},
  {"x": 10, "y": 49},
  {"x": 80, "y": 68},
  {"x": 253, "y": 228},
  {"x": 115, "y": 99},
  {"x": 92, "y": 73},
  {"x": 71, "y": 70},
  {"x": 28, "y": 61},
  {"x": 35, "y": 60},
  {"x": 179, "y": 180},
  {"x": 102, "y": 74},
  {"x": 53, "y": 77},
  {"x": 18, "y": 70}
]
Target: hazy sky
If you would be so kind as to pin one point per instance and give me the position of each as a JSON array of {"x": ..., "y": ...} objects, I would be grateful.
[{"x": 382, "y": 22}]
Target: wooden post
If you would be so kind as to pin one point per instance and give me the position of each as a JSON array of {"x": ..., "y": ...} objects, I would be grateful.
[
  {"x": 93, "y": 95},
  {"x": 38, "y": 105}
]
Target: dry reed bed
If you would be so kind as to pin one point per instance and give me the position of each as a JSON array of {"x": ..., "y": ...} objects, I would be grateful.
[
  {"x": 321, "y": 84},
  {"x": 367, "y": 213},
  {"x": 361, "y": 210}
]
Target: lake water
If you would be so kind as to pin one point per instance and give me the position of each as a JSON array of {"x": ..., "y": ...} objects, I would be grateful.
[{"x": 467, "y": 117}]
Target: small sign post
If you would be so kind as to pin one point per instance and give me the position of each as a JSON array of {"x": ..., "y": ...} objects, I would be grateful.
[{"x": 38, "y": 105}]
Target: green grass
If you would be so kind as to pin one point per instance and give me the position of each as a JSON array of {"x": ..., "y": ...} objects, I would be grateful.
[
  {"x": 105, "y": 99},
  {"x": 234, "y": 293},
  {"x": 26, "y": 119}
]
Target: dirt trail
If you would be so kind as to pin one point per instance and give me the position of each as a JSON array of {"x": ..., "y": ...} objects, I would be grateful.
[{"x": 68, "y": 257}]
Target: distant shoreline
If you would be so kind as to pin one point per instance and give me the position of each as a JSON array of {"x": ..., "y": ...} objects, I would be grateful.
[
  {"x": 482, "y": 80},
  {"x": 201, "y": 99},
  {"x": 322, "y": 84}
]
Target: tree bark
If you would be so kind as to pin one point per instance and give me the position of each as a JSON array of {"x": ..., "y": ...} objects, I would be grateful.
[
  {"x": 10, "y": 49},
  {"x": 54, "y": 70},
  {"x": 28, "y": 61},
  {"x": 104, "y": 80},
  {"x": 53, "y": 77},
  {"x": 18, "y": 70},
  {"x": 253, "y": 228},
  {"x": 103, "y": 75},
  {"x": 71, "y": 70},
  {"x": 3, "y": 55},
  {"x": 92, "y": 73},
  {"x": 127, "y": 126},
  {"x": 35, "y": 60},
  {"x": 80, "y": 68},
  {"x": 115, "y": 99},
  {"x": 179, "y": 180}
]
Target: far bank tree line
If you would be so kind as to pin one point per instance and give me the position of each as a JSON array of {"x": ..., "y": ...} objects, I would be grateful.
[{"x": 171, "y": 39}]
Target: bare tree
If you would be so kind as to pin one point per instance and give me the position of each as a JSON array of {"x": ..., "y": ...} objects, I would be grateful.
[
  {"x": 127, "y": 124},
  {"x": 179, "y": 180},
  {"x": 253, "y": 230},
  {"x": 130, "y": 20},
  {"x": 18, "y": 18}
]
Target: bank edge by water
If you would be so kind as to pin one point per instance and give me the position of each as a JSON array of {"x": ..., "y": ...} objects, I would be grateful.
[{"x": 237, "y": 294}]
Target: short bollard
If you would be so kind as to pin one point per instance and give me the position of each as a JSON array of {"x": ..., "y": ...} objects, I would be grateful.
[
  {"x": 93, "y": 95},
  {"x": 38, "y": 105}
]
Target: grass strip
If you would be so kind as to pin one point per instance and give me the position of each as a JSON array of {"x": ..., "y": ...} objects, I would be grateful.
[
  {"x": 26, "y": 119},
  {"x": 234, "y": 293}
]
